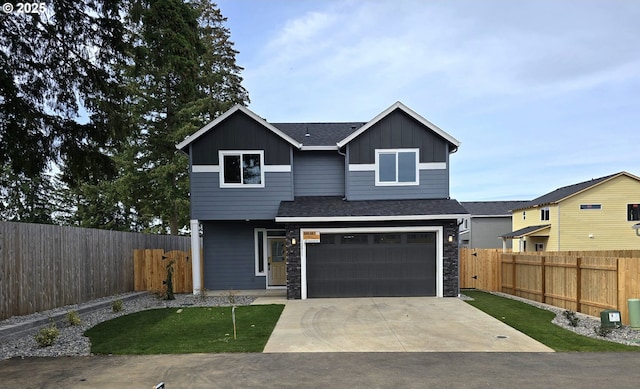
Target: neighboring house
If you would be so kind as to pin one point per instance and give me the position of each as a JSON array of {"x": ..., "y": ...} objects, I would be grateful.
[
  {"x": 488, "y": 221},
  {"x": 599, "y": 214},
  {"x": 325, "y": 209}
]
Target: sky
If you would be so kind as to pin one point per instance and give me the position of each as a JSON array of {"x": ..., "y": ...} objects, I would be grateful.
[{"x": 541, "y": 94}]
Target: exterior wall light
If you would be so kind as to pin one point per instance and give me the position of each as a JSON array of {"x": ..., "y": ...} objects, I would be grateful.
[
  {"x": 450, "y": 238},
  {"x": 293, "y": 241}
]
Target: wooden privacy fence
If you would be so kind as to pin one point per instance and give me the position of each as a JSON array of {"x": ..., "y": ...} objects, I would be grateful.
[
  {"x": 45, "y": 266},
  {"x": 150, "y": 270},
  {"x": 587, "y": 282}
]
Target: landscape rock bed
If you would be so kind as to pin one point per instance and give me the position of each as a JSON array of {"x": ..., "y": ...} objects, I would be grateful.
[{"x": 71, "y": 341}]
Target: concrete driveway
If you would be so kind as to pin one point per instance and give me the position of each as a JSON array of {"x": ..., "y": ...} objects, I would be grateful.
[{"x": 392, "y": 324}]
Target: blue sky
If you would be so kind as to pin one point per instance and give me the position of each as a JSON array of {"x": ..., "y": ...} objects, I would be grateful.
[{"x": 541, "y": 94}]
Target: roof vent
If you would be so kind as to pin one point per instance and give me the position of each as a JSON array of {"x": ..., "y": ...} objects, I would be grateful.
[
  {"x": 354, "y": 127},
  {"x": 307, "y": 133}
]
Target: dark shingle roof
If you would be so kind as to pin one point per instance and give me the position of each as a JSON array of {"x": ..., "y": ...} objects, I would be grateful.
[
  {"x": 565, "y": 191},
  {"x": 492, "y": 208},
  {"x": 313, "y": 206},
  {"x": 525, "y": 231},
  {"x": 320, "y": 134}
]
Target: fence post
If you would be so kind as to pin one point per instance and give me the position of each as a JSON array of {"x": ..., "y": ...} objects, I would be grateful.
[
  {"x": 578, "y": 284},
  {"x": 543, "y": 281},
  {"x": 513, "y": 274}
]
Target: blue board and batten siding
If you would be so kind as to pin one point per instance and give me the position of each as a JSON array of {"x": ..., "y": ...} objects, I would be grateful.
[
  {"x": 397, "y": 131},
  {"x": 239, "y": 132},
  {"x": 229, "y": 250},
  {"x": 318, "y": 173}
]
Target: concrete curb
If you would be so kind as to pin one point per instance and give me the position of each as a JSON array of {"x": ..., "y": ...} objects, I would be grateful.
[{"x": 12, "y": 331}]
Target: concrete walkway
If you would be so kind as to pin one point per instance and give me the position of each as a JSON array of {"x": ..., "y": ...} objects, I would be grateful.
[{"x": 398, "y": 324}]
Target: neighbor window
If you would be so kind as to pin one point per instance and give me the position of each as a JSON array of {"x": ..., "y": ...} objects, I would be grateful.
[
  {"x": 544, "y": 214},
  {"x": 397, "y": 167},
  {"x": 241, "y": 168},
  {"x": 539, "y": 246},
  {"x": 590, "y": 206},
  {"x": 633, "y": 212}
]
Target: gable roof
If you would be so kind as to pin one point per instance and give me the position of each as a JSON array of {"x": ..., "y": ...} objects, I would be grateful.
[
  {"x": 491, "y": 208},
  {"x": 398, "y": 105},
  {"x": 572, "y": 190},
  {"x": 188, "y": 140},
  {"x": 321, "y": 136}
]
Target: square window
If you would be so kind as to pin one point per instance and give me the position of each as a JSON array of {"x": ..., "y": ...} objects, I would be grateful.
[
  {"x": 544, "y": 214},
  {"x": 633, "y": 212},
  {"x": 397, "y": 167},
  {"x": 241, "y": 168}
]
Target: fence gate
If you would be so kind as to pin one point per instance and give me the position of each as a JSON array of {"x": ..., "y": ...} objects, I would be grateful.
[{"x": 150, "y": 270}]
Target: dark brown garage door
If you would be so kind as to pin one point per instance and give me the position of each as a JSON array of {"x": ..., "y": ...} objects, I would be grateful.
[{"x": 372, "y": 265}]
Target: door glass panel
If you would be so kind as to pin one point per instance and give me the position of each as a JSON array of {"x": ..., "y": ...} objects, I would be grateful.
[
  {"x": 277, "y": 250},
  {"x": 386, "y": 238},
  {"x": 355, "y": 239}
]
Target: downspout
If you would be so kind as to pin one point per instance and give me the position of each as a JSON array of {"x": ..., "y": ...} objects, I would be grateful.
[{"x": 346, "y": 171}]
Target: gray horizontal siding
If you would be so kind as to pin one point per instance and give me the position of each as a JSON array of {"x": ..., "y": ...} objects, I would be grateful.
[
  {"x": 318, "y": 174},
  {"x": 434, "y": 184},
  {"x": 210, "y": 202},
  {"x": 229, "y": 257}
]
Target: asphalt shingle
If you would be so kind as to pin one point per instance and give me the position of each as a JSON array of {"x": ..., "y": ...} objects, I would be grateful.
[{"x": 330, "y": 206}]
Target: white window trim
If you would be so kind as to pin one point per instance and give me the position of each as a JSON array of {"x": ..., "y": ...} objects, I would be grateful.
[
  {"x": 222, "y": 153},
  {"x": 396, "y": 183},
  {"x": 548, "y": 213}
]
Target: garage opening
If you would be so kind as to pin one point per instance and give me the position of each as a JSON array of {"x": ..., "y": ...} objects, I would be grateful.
[{"x": 372, "y": 265}]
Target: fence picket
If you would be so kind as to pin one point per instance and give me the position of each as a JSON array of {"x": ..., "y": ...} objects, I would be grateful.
[{"x": 584, "y": 281}]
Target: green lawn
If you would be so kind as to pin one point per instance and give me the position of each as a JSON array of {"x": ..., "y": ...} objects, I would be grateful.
[
  {"x": 536, "y": 323},
  {"x": 186, "y": 330}
]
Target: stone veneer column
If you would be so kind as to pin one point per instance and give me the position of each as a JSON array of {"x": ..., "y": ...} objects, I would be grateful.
[
  {"x": 294, "y": 275},
  {"x": 450, "y": 261}
]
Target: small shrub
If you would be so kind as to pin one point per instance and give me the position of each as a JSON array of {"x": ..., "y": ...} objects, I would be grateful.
[
  {"x": 73, "y": 318},
  {"x": 169, "y": 295},
  {"x": 47, "y": 336},
  {"x": 231, "y": 296},
  {"x": 602, "y": 331},
  {"x": 572, "y": 318},
  {"x": 117, "y": 306}
]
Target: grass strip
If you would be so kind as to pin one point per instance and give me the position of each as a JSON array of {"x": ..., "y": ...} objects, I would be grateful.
[
  {"x": 536, "y": 323},
  {"x": 186, "y": 330}
]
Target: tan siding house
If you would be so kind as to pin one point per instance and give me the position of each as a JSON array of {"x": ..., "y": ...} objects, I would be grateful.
[{"x": 599, "y": 214}]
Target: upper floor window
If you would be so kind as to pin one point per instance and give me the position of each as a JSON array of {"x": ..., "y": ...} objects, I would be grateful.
[
  {"x": 397, "y": 167},
  {"x": 241, "y": 168},
  {"x": 544, "y": 214},
  {"x": 633, "y": 212},
  {"x": 590, "y": 206}
]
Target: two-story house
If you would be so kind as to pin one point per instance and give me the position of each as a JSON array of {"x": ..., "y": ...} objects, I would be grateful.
[
  {"x": 324, "y": 209},
  {"x": 599, "y": 214}
]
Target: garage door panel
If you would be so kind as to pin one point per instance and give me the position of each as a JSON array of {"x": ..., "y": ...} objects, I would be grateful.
[{"x": 372, "y": 269}]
